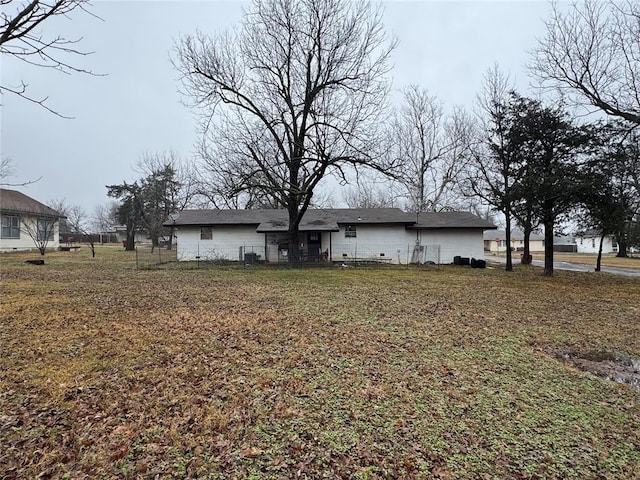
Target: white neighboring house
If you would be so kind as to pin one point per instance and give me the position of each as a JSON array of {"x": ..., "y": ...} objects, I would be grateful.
[
  {"x": 495, "y": 242},
  {"x": 589, "y": 242},
  {"x": 386, "y": 235},
  {"x": 23, "y": 217}
]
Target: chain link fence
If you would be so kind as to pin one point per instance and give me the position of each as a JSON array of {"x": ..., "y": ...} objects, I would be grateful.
[
  {"x": 203, "y": 255},
  {"x": 148, "y": 256}
]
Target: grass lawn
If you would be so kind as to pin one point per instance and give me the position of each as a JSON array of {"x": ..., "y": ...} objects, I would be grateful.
[
  {"x": 608, "y": 260},
  {"x": 107, "y": 371}
]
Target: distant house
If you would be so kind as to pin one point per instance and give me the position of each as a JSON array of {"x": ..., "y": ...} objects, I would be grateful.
[
  {"x": 21, "y": 215},
  {"x": 589, "y": 242},
  {"x": 333, "y": 235},
  {"x": 121, "y": 235},
  {"x": 496, "y": 243}
]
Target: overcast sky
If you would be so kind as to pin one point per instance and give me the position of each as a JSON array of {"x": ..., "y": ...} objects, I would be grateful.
[{"x": 135, "y": 107}]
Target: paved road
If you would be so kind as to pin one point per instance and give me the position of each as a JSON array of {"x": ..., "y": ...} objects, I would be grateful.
[{"x": 574, "y": 267}]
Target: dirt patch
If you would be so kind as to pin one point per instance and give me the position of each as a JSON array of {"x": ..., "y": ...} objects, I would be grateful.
[{"x": 615, "y": 366}]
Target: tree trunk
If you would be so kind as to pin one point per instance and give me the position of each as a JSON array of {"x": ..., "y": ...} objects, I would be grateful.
[
  {"x": 548, "y": 248},
  {"x": 622, "y": 247},
  {"x": 170, "y": 243},
  {"x": 507, "y": 238},
  {"x": 131, "y": 240},
  {"x": 526, "y": 253},
  {"x": 294, "y": 236},
  {"x": 599, "y": 259}
]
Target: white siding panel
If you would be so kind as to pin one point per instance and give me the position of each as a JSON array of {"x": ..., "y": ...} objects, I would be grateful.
[
  {"x": 370, "y": 242},
  {"x": 390, "y": 243},
  {"x": 225, "y": 244},
  {"x": 25, "y": 242},
  {"x": 592, "y": 244},
  {"x": 454, "y": 242}
]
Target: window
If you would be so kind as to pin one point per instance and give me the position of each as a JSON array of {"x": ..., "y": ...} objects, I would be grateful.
[
  {"x": 10, "y": 226},
  {"x": 45, "y": 229},
  {"x": 206, "y": 233},
  {"x": 350, "y": 231}
]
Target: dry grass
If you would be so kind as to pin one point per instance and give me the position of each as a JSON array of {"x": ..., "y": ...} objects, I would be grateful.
[
  {"x": 179, "y": 372},
  {"x": 609, "y": 260}
]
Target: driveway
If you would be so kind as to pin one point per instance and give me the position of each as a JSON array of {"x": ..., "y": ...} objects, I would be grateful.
[{"x": 574, "y": 267}]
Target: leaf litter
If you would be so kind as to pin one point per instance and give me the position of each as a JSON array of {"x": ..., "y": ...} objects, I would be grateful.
[{"x": 268, "y": 373}]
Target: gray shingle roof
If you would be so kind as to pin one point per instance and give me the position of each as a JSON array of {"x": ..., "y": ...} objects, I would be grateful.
[
  {"x": 328, "y": 219},
  {"x": 12, "y": 201},
  {"x": 438, "y": 220},
  {"x": 278, "y": 220}
]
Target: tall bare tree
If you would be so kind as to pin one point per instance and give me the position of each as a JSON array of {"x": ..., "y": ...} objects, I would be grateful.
[
  {"x": 371, "y": 191},
  {"x": 591, "y": 53},
  {"x": 491, "y": 175},
  {"x": 295, "y": 94},
  {"x": 22, "y": 37},
  {"x": 429, "y": 147}
]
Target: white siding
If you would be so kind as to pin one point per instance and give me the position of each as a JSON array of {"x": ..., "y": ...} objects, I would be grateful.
[
  {"x": 25, "y": 242},
  {"x": 398, "y": 244},
  {"x": 518, "y": 246},
  {"x": 226, "y": 243},
  {"x": 454, "y": 242},
  {"x": 592, "y": 244},
  {"x": 388, "y": 243},
  {"x": 370, "y": 242}
]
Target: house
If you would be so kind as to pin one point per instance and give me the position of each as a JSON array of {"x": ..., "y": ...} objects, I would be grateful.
[
  {"x": 589, "y": 242},
  {"x": 140, "y": 235},
  {"x": 26, "y": 223},
  {"x": 496, "y": 243},
  {"x": 386, "y": 235}
]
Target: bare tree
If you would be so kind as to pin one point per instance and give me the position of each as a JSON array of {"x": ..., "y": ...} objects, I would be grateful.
[
  {"x": 371, "y": 191},
  {"x": 21, "y": 37},
  {"x": 302, "y": 86},
  {"x": 491, "y": 175},
  {"x": 429, "y": 148},
  {"x": 104, "y": 218},
  {"x": 7, "y": 171},
  {"x": 591, "y": 53},
  {"x": 75, "y": 223},
  {"x": 41, "y": 230}
]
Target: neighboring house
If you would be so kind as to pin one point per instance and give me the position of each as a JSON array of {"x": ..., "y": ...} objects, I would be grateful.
[
  {"x": 564, "y": 244},
  {"x": 495, "y": 242},
  {"x": 121, "y": 235},
  {"x": 334, "y": 235},
  {"x": 21, "y": 214},
  {"x": 589, "y": 242}
]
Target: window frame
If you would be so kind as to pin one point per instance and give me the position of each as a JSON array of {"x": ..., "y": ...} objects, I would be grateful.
[
  {"x": 206, "y": 233},
  {"x": 350, "y": 231},
  {"x": 12, "y": 229}
]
